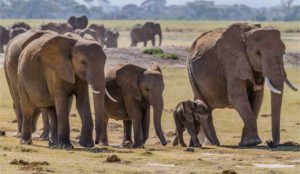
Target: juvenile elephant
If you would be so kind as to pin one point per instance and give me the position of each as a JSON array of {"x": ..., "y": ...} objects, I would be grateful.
[
  {"x": 21, "y": 25},
  {"x": 191, "y": 115},
  {"x": 4, "y": 38},
  {"x": 111, "y": 39},
  {"x": 43, "y": 71},
  {"x": 135, "y": 88},
  {"x": 228, "y": 67},
  {"x": 80, "y": 22},
  {"x": 144, "y": 33}
]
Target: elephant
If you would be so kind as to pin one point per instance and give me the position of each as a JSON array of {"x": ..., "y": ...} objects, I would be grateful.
[
  {"x": 136, "y": 89},
  {"x": 144, "y": 33},
  {"x": 80, "y": 22},
  {"x": 13, "y": 32},
  {"x": 60, "y": 28},
  {"x": 227, "y": 68},
  {"x": 4, "y": 38},
  {"x": 20, "y": 25},
  {"x": 111, "y": 39},
  {"x": 99, "y": 32},
  {"x": 191, "y": 115},
  {"x": 90, "y": 32},
  {"x": 44, "y": 70}
]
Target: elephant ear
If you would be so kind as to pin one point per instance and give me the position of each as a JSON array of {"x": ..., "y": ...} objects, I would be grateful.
[
  {"x": 127, "y": 78},
  {"x": 232, "y": 52},
  {"x": 55, "y": 53},
  {"x": 187, "y": 107},
  {"x": 155, "y": 67}
]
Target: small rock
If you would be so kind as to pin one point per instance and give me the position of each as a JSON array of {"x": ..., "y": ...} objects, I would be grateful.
[
  {"x": 189, "y": 149},
  {"x": 112, "y": 159},
  {"x": 73, "y": 115},
  {"x": 265, "y": 115},
  {"x": 298, "y": 124},
  {"x": 229, "y": 172},
  {"x": 2, "y": 133}
]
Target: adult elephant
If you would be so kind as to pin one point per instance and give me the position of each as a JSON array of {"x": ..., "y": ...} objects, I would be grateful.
[
  {"x": 136, "y": 89},
  {"x": 20, "y": 25},
  {"x": 99, "y": 32},
  {"x": 144, "y": 33},
  {"x": 13, "y": 32},
  {"x": 80, "y": 22},
  {"x": 4, "y": 38},
  {"x": 44, "y": 70},
  {"x": 111, "y": 39},
  {"x": 228, "y": 68},
  {"x": 60, "y": 28}
]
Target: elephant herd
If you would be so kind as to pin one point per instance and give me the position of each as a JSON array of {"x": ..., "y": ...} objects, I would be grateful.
[
  {"x": 227, "y": 68},
  {"x": 79, "y": 25}
]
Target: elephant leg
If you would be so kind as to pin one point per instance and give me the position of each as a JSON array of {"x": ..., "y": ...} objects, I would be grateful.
[
  {"x": 53, "y": 136},
  {"x": 146, "y": 124},
  {"x": 145, "y": 43},
  {"x": 214, "y": 139},
  {"x": 62, "y": 110},
  {"x": 180, "y": 137},
  {"x": 197, "y": 128},
  {"x": 34, "y": 119},
  {"x": 138, "y": 133},
  {"x": 153, "y": 41},
  {"x": 18, "y": 112},
  {"x": 83, "y": 107},
  {"x": 127, "y": 128},
  {"x": 175, "y": 141},
  {"x": 27, "y": 113},
  {"x": 192, "y": 131},
  {"x": 240, "y": 101},
  {"x": 46, "y": 126}
]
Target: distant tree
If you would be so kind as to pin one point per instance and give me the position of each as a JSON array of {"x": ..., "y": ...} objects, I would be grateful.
[{"x": 154, "y": 6}]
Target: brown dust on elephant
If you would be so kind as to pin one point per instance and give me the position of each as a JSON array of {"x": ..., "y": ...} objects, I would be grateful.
[
  {"x": 136, "y": 89},
  {"x": 44, "y": 70},
  {"x": 228, "y": 68},
  {"x": 144, "y": 33}
]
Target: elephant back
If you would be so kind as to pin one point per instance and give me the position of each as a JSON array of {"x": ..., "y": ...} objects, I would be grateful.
[{"x": 203, "y": 43}]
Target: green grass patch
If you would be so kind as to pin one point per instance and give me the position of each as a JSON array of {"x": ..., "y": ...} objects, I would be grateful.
[{"x": 160, "y": 53}]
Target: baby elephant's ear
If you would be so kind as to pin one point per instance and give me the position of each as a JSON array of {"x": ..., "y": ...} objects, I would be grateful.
[{"x": 188, "y": 111}]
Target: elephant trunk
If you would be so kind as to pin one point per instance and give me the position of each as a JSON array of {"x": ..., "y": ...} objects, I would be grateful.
[{"x": 157, "y": 112}]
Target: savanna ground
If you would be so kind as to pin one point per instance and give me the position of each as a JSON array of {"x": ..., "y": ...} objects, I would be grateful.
[{"x": 229, "y": 158}]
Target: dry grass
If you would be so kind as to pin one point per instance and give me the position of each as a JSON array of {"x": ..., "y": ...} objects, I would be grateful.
[{"x": 154, "y": 158}]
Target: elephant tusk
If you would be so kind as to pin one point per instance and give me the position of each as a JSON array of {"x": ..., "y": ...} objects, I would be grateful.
[
  {"x": 93, "y": 90},
  {"x": 110, "y": 97},
  {"x": 290, "y": 85},
  {"x": 271, "y": 87}
]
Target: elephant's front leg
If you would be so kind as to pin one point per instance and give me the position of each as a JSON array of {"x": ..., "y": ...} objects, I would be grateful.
[
  {"x": 238, "y": 98},
  {"x": 146, "y": 123},
  {"x": 83, "y": 107},
  {"x": 62, "y": 110},
  {"x": 127, "y": 128},
  {"x": 153, "y": 41},
  {"x": 18, "y": 112},
  {"x": 192, "y": 131},
  {"x": 53, "y": 137}
]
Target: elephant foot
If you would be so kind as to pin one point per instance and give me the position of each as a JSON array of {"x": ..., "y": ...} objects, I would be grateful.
[
  {"x": 86, "y": 142},
  {"x": 271, "y": 144},
  {"x": 252, "y": 141},
  {"x": 127, "y": 144},
  {"x": 52, "y": 145},
  {"x": 137, "y": 146},
  {"x": 101, "y": 143},
  {"x": 65, "y": 145},
  {"x": 45, "y": 135},
  {"x": 26, "y": 142},
  {"x": 183, "y": 145}
]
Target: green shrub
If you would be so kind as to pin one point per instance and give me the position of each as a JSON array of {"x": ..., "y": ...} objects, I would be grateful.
[
  {"x": 153, "y": 51},
  {"x": 168, "y": 56}
]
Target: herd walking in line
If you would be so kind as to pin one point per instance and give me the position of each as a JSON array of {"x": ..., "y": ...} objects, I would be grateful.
[{"x": 47, "y": 67}]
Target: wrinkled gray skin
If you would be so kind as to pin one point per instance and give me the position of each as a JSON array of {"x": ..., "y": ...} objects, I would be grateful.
[
  {"x": 111, "y": 39},
  {"x": 191, "y": 115},
  {"x": 16, "y": 31},
  {"x": 60, "y": 28},
  {"x": 227, "y": 68},
  {"x": 144, "y": 33},
  {"x": 136, "y": 89},
  {"x": 4, "y": 38},
  {"x": 80, "y": 22},
  {"x": 52, "y": 68}
]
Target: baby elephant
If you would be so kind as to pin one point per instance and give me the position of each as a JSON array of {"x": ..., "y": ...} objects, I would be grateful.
[{"x": 191, "y": 115}]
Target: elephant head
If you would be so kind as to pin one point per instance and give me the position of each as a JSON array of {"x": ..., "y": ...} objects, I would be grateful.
[
  {"x": 80, "y": 22},
  {"x": 255, "y": 50},
  {"x": 152, "y": 29},
  {"x": 148, "y": 85},
  {"x": 111, "y": 39},
  {"x": 99, "y": 32},
  {"x": 4, "y": 38},
  {"x": 21, "y": 25}
]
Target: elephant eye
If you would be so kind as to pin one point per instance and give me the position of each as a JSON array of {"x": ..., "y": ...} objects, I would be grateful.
[
  {"x": 147, "y": 89},
  {"x": 258, "y": 53},
  {"x": 83, "y": 62}
]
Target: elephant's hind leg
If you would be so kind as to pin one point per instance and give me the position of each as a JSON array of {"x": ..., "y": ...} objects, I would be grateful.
[
  {"x": 127, "y": 127},
  {"x": 27, "y": 113},
  {"x": 45, "y": 134},
  {"x": 18, "y": 112}
]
